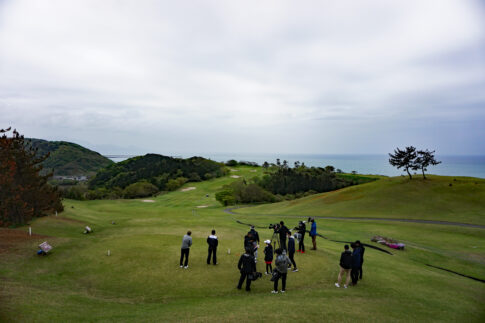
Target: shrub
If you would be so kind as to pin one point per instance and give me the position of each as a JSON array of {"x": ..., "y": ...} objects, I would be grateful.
[
  {"x": 231, "y": 162},
  {"x": 226, "y": 197},
  {"x": 173, "y": 184},
  {"x": 139, "y": 189}
]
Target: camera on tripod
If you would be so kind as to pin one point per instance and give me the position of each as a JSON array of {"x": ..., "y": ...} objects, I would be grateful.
[{"x": 275, "y": 226}]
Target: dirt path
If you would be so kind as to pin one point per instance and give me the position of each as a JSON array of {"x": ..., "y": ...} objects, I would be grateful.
[{"x": 231, "y": 211}]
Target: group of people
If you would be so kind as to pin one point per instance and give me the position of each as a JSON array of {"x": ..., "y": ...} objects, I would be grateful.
[
  {"x": 351, "y": 264},
  {"x": 350, "y": 261}
]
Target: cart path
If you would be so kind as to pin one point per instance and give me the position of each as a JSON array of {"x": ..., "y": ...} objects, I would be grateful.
[{"x": 231, "y": 211}]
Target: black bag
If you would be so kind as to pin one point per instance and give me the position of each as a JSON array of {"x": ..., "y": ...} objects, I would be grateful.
[
  {"x": 275, "y": 275},
  {"x": 254, "y": 276}
]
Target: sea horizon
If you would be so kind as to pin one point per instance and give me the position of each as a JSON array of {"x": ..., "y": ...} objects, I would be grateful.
[{"x": 371, "y": 164}]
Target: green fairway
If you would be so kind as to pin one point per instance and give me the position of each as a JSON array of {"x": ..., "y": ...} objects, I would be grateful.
[{"x": 141, "y": 280}]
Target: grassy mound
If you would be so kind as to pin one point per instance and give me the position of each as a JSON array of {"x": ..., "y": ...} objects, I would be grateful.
[
  {"x": 441, "y": 198},
  {"x": 141, "y": 279}
]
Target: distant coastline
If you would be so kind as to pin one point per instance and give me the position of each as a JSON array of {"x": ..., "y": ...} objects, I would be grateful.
[{"x": 473, "y": 166}]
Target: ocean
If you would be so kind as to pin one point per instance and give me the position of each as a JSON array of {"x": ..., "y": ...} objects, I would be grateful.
[{"x": 473, "y": 166}]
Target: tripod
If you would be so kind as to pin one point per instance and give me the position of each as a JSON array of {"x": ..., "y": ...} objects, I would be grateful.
[{"x": 275, "y": 241}]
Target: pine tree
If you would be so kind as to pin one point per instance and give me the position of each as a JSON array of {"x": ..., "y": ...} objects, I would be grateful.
[
  {"x": 404, "y": 159},
  {"x": 24, "y": 193},
  {"x": 424, "y": 159}
]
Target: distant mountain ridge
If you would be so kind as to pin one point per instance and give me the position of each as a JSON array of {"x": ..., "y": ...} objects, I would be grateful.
[{"x": 69, "y": 159}]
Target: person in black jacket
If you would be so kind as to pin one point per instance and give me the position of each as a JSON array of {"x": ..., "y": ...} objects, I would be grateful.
[
  {"x": 291, "y": 250},
  {"x": 254, "y": 233},
  {"x": 356, "y": 263},
  {"x": 283, "y": 230},
  {"x": 301, "y": 231},
  {"x": 268, "y": 257},
  {"x": 212, "y": 242},
  {"x": 362, "y": 250},
  {"x": 246, "y": 266},
  {"x": 345, "y": 266}
]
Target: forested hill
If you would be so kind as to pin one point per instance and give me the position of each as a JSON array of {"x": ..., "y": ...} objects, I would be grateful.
[
  {"x": 164, "y": 172},
  {"x": 67, "y": 159}
]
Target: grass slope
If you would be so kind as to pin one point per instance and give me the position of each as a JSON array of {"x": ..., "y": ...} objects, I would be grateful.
[
  {"x": 394, "y": 197},
  {"x": 141, "y": 280},
  {"x": 67, "y": 158}
]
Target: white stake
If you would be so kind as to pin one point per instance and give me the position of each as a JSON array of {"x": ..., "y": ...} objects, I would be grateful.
[
  {"x": 109, "y": 252},
  {"x": 56, "y": 213},
  {"x": 30, "y": 231},
  {"x": 228, "y": 251}
]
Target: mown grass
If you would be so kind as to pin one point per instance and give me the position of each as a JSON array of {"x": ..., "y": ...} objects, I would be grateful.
[{"x": 141, "y": 280}]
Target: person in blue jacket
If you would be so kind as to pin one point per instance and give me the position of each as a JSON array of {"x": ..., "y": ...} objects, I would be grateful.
[
  {"x": 313, "y": 233},
  {"x": 356, "y": 263}
]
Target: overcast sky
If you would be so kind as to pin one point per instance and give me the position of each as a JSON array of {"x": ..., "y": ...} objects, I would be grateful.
[{"x": 195, "y": 77}]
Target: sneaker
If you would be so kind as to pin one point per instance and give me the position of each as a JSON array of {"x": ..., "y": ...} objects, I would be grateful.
[
  {"x": 274, "y": 292},
  {"x": 345, "y": 286},
  {"x": 282, "y": 291},
  {"x": 238, "y": 287},
  {"x": 338, "y": 286},
  {"x": 295, "y": 270},
  {"x": 186, "y": 267},
  {"x": 181, "y": 266},
  {"x": 266, "y": 273},
  {"x": 303, "y": 252}
]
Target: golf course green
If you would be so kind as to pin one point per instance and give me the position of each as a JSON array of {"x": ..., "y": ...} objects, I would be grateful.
[{"x": 141, "y": 281}]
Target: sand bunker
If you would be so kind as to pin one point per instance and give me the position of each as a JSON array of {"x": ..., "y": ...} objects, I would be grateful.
[
  {"x": 148, "y": 201},
  {"x": 188, "y": 189},
  {"x": 202, "y": 206},
  {"x": 235, "y": 176}
]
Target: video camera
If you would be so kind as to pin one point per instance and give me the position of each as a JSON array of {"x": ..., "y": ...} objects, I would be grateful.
[{"x": 275, "y": 226}]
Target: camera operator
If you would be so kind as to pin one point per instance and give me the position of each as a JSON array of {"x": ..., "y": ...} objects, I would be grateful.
[
  {"x": 283, "y": 230},
  {"x": 301, "y": 230}
]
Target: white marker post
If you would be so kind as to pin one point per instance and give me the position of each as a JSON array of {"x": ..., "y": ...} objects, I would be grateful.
[
  {"x": 30, "y": 231},
  {"x": 228, "y": 251},
  {"x": 56, "y": 213},
  {"x": 109, "y": 252}
]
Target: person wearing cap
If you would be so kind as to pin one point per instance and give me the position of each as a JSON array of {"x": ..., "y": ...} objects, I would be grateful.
[
  {"x": 246, "y": 266},
  {"x": 212, "y": 242},
  {"x": 268, "y": 257}
]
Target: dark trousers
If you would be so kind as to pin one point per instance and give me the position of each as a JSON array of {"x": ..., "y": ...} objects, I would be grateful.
[
  {"x": 212, "y": 252},
  {"x": 301, "y": 245},
  {"x": 359, "y": 271},
  {"x": 241, "y": 281},
  {"x": 283, "y": 243},
  {"x": 354, "y": 274},
  {"x": 291, "y": 255},
  {"x": 269, "y": 268},
  {"x": 185, "y": 252},
  {"x": 283, "y": 282}
]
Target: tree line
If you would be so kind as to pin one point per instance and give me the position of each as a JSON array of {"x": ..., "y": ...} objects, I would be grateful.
[{"x": 281, "y": 181}]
